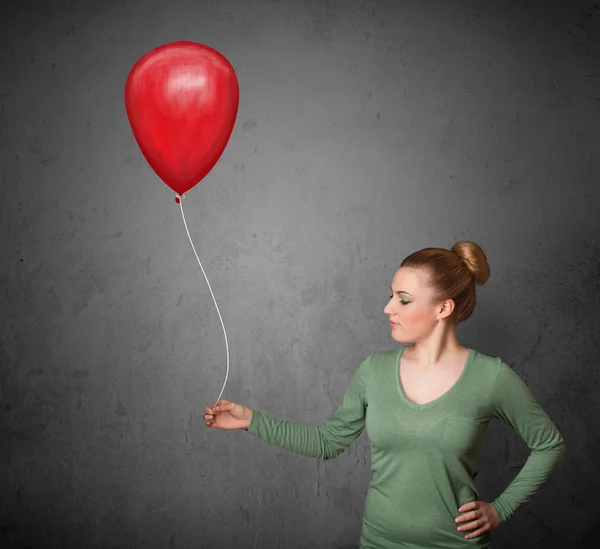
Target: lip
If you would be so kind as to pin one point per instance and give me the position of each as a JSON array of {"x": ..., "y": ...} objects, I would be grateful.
[{"x": 393, "y": 324}]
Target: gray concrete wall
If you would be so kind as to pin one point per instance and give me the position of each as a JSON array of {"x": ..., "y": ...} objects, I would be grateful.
[{"x": 366, "y": 131}]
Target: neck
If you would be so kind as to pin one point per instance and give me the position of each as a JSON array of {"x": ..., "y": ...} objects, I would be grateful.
[{"x": 440, "y": 346}]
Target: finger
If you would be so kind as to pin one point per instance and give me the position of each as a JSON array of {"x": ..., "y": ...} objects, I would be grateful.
[
  {"x": 223, "y": 407},
  {"x": 467, "y": 516},
  {"x": 468, "y": 506},
  {"x": 482, "y": 530},
  {"x": 470, "y": 525}
]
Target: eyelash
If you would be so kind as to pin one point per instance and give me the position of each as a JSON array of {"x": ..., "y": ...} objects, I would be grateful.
[{"x": 401, "y": 301}]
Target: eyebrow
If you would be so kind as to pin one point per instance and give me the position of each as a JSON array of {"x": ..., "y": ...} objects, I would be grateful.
[{"x": 400, "y": 292}]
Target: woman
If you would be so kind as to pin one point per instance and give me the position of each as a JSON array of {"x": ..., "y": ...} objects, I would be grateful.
[{"x": 426, "y": 408}]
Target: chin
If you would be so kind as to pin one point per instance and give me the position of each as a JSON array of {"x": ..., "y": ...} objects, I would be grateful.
[{"x": 401, "y": 338}]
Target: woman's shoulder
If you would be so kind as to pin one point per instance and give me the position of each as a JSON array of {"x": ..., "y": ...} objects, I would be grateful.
[
  {"x": 486, "y": 361},
  {"x": 496, "y": 373},
  {"x": 384, "y": 356},
  {"x": 495, "y": 364}
]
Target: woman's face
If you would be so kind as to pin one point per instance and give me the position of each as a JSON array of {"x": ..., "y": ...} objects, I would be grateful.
[{"x": 410, "y": 306}]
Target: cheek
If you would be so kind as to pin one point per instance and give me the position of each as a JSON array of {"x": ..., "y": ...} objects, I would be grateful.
[{"x": 414, "y": 316}]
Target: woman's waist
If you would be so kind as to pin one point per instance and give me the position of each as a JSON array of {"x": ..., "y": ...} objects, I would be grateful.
[{"x": 411, "y": 515}]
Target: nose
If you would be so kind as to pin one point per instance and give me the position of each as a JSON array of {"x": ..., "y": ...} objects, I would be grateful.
[{"x": 389, "y": 312}]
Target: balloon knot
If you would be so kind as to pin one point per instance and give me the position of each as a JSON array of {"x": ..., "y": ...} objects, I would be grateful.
[{"x": 178, "y": 197}]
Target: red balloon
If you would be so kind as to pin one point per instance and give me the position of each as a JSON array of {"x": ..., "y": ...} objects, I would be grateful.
[{"x": 182, "y": 101}]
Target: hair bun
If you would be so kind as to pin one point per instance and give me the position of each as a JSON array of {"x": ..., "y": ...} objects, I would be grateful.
[{"x": 474, "y": 258}]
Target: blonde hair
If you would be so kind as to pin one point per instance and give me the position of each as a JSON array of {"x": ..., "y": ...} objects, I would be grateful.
[{"x": 452, "y": 274}]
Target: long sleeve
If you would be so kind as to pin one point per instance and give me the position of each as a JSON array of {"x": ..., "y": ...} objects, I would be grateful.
[
  {"x": 326, "y": 441},
  {"x": 514, "y": 404}
]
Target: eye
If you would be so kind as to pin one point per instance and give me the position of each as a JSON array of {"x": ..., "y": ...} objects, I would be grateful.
[{"x": 401, "y": 301}]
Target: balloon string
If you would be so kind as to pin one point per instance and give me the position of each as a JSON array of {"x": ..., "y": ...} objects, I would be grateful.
[{"x": 178, "y": 199}]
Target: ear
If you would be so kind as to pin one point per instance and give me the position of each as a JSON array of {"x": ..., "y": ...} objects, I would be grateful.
[{"x": 447, "y": 307}]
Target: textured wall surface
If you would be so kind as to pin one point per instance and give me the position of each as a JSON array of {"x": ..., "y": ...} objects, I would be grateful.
[{"x": 366, "y": 130}]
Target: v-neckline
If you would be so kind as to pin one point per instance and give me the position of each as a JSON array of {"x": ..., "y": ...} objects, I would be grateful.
[{"x": 441, "y": 397}]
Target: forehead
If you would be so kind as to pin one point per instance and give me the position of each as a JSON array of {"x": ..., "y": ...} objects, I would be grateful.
[{"x": 410, "y": 280}]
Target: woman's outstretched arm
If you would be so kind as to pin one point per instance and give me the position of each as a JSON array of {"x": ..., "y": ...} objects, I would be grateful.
[{"x": 325, "y": 441}]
